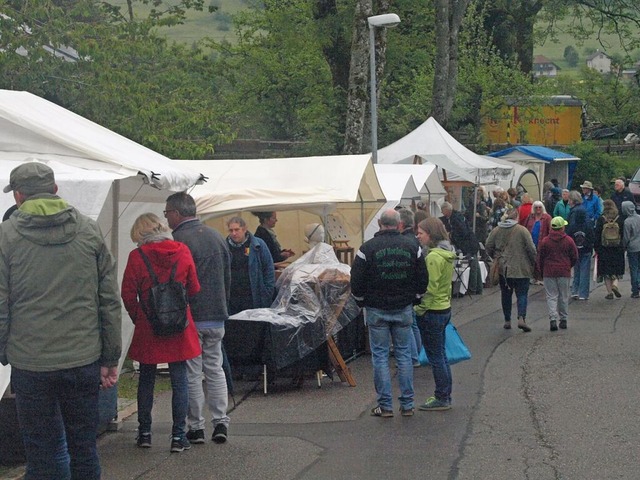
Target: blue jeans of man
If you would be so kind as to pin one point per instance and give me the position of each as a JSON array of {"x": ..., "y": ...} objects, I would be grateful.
[
  {"x": 581, "y": 276},
  {"x": 634, "y": 271},
  {"x": 209, "y": 365},
  {"x": 58, "y": 416},
  {"x": 432, "y": 326},
  {"x": 416, "y": 345},
  {"x": 179, "y": 396},
  {"x": 395, "y": 325},
  {"x": 521, "y": 287}
]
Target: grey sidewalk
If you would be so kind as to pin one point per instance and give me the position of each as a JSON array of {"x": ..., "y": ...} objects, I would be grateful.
[{"x": 544, "y": 405}]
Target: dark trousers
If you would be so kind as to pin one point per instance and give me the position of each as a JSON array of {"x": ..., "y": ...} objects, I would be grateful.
[{"x": 58, "y": 416}]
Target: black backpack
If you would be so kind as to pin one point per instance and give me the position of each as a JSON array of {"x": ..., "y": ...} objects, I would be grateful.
[{"x": 167, "y": 305}]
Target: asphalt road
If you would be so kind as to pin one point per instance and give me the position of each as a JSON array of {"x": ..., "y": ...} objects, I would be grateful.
[{"x": 541, "y": 405}]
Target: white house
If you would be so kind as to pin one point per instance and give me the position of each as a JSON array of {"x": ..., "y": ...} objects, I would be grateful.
[
  {"x": 543, "y": 67},
  {"x": 599, "y": 61}
]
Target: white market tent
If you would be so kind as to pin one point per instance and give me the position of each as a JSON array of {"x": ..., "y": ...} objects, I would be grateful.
[
  {"x": 300, "y": 189},
  {"x": 402, "y": 184},
  {"x": 106, "y": 176},
  {"x": 455, "y": 162}
]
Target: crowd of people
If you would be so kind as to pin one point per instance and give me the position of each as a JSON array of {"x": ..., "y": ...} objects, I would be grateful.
[
  {"x": 63, "y": 348},
  {"x": 527, "y": 244}
]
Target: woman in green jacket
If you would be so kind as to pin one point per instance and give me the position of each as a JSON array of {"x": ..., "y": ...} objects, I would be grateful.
[{"x": 434, "y": 311}]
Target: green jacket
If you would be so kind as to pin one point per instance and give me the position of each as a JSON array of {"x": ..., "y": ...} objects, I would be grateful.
[
  {"x": 59, "y": 300},
  {"x": 440, "y": 261}
]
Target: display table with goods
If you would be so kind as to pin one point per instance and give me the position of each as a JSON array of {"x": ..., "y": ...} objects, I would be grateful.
[{"x": 297, "y": 333}]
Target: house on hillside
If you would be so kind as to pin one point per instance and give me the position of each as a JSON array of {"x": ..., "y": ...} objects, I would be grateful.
[
  {"x": 543, "y": 67},
  {"x": 599, "y": 61}
]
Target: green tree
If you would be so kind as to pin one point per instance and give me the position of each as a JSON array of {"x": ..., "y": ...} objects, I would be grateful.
[
  {"x": 595, "y": 165},
  {"x": 121, "y": 76},
  {"x": 571, "y": 55}
]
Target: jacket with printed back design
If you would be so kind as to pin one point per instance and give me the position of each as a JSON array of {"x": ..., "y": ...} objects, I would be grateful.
[{"x": 388, "y": 272}]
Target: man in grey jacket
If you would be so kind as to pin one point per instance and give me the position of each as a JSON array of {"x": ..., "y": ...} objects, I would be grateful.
[
  {"x": 210, "y": 311},
  {"x": 631, "y": 243},
  {"x": 60, "y": 324}
]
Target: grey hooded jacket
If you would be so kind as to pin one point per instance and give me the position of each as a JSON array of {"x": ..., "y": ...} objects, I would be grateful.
[{"x": 631, "y": 231}]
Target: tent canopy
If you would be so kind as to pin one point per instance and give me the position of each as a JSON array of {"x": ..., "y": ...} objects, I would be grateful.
[
  {"x": 546, "y": 162},
  {"x": 31, "y": 126},
  {"x": 529, "y": 152},
  {"x": 455, "y": 163},
  {"x": 402, "y": 183},
  {"x": 106, "y": 176},
  {"x": 303, "y": 188}
]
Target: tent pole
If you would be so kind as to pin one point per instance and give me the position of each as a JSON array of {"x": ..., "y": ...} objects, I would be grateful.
[{"x": 115, "y": 218}]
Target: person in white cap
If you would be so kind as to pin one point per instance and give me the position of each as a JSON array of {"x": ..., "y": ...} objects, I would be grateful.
[{"x": 557, "y": 254}]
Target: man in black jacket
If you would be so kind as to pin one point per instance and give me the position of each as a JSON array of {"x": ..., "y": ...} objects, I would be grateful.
[
  {"x": 621, "y": 194},
  {"x": 388, "y": 275}
]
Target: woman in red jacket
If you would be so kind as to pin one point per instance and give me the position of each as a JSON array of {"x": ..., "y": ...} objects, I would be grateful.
[{"x": 154, "y": 238}]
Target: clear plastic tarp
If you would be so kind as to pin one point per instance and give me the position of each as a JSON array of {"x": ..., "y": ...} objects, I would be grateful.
[{"x": 313, "y": 302}]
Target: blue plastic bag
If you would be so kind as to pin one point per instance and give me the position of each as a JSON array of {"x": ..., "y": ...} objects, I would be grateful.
[{"x": 454, "y": 347}]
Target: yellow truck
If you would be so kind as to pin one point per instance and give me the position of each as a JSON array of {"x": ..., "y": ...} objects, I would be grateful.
[{"x": 553, "y": 121}]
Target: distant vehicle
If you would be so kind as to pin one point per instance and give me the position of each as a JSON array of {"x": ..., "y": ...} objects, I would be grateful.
[{"x": 634, "y": 186}]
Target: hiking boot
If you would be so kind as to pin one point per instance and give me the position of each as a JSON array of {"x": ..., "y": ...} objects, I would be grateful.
[
  {"x": 195, "y": 436},
  {"x": 406, "y": 412},
  {"x": 507, "y": 325},
  {"x": 563, "y": 324},
  {"x": 522, "y": 325},
  {"x": 219, "y": 433},
  {"x": 179, "y": 444},
  {"x": 635, "y": 295},
  {"x": 553, "y": 326},
  {"x": 434, "y": 405},
  {"x": 144, "y": 440},
  {"x": 609, "y": 296},
  {"x": 381, "y": 412},
  {"x": 616, "y": 291}
]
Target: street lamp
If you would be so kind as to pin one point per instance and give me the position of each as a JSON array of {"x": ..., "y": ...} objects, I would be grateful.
[{"x": 386, "y": 20}]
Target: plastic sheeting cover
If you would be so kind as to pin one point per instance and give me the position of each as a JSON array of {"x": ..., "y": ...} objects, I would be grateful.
[{"x": 314, "y": 301}]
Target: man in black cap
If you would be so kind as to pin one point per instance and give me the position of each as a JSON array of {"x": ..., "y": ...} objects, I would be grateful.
[{"x": 60, "y": 324}]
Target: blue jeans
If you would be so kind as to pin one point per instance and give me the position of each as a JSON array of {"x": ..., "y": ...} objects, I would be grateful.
[
  {"x": 179, "y": 398},
  {"x": 394, "y": 324},
  {"x": 416, "y": 345},
  {"x": 507, "y": 287},
  {"x": 58, "y": 415},
  {"x": 432, "y": 326},
  {"x": 581, "y": 276},
  {"x": 634, "y": 271}
]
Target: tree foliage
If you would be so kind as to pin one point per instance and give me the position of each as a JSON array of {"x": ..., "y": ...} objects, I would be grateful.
[{"x": 123, "y": 76}]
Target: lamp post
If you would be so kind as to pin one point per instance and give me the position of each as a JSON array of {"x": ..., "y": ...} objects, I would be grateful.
[{"x": 386, "y": 20}]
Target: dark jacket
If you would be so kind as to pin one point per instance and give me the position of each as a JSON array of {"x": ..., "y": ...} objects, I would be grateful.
[
  {"x": 580, "y": 222},
  {"x": 213, "y": 264},
  {"x": 276, "y": 252},
  {"x": 557, "y": 254},
  {"x": 262, "y": 277},
  {"x": 389, "y": 272},
  {"x": 461, "y": 236},
  {"x": 624, "y": 196}
]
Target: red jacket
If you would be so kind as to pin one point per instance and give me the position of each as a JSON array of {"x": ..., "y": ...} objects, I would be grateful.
[
  {"x": 523, "y": 212},
  {"x": 145, "y": 346},
  {"x": 556, "y": 255}
]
